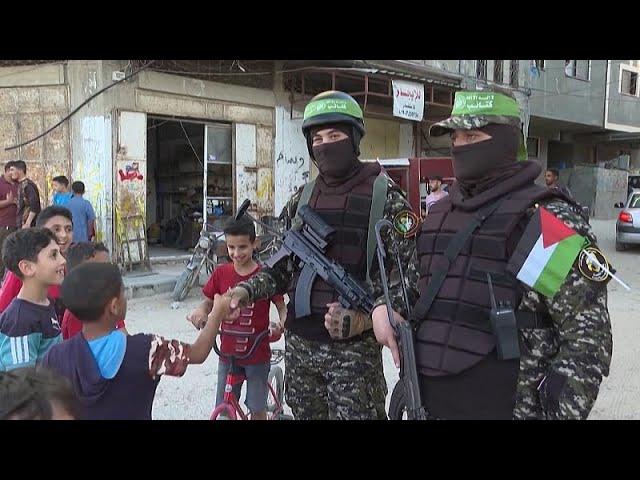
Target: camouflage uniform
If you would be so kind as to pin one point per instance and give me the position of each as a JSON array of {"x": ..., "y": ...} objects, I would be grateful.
[
  {"x": 342, "y": 379},
  {"x": 576, "y": 351},
  {"x": 350, "y": 384},
  {"x": 579, "y": 346}
]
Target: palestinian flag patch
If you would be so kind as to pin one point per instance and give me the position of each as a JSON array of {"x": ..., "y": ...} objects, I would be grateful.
[{"x": 545, "y": 253}]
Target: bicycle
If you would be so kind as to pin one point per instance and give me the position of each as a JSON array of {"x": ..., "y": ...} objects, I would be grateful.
[
  {"x": 172, "y": 230},
  {"x": 275, "y": 382}
]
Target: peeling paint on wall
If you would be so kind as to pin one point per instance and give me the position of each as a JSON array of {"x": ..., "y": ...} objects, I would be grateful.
[
  {"x": 93, "y": 168},
  {"x": 265, "y": 190},
  {"x": 291, "y": 163},
  {"x": 131, "y": 189}
]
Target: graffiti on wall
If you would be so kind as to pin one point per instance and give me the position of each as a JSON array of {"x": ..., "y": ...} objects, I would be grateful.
[
  {"x": 131, "y": 172},
  {"x": 291, "y": 159},
  {"x": 292, "y": 174}
]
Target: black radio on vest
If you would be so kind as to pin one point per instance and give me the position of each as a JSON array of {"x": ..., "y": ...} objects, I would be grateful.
[{"x": 503, "y": 324}]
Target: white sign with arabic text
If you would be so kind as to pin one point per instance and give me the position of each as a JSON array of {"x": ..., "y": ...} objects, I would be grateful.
[{"x": 408, "y": 100}]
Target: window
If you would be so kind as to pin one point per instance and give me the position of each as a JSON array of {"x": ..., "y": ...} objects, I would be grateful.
[
  {"x": 629, "y": 80},
  {"x": 533, "y": 147},
  {"x": 635, "y": 201},
  {"x": 580, "y": 69},
  {"x": 481, "y": 69},
  {"x": 219, "y": 149},
  {"x": 497, "y": 71},
  {"x": 442, "y": 96},
  {"x": 539, "y": 64},
  {"x": 513, "y": 73}
]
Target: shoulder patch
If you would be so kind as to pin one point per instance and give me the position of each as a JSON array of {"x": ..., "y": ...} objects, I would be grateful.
[
  {"x": 590, "y": 269},
  {"x": 406, "y": 223}
]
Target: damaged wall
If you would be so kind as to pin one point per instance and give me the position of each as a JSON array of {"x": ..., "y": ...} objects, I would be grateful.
[
  {"x": 25, "y": 112},
  {"x": 611, "y": 188},
  {"x": 596, "y": 187},
  {"x": 91, "y": 129}
]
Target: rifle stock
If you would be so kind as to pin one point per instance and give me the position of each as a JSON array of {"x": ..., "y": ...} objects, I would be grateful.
[{"x": 403, "y": 333}]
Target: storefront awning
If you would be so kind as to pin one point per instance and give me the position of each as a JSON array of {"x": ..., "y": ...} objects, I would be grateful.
[{"x": 389, "y": 162}]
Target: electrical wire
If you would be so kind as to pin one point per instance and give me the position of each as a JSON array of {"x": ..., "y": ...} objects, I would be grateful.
[
  {"x": 270, "y": 72},
  {"x": 75, "y": 110},
  {"x": 190, "y": 144}
]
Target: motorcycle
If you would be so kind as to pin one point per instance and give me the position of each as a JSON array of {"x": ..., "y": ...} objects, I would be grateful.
[{"x": 208, "y": 252}]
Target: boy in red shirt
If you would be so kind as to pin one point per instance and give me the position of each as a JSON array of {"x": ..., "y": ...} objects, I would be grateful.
[
  {"x": 77, "y": 254},
  {"x": 59, "y": 221},
  {"x": 240, "y": 236}
]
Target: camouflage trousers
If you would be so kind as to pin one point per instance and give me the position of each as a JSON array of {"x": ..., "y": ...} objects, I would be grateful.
[{"x": 334, "y": 381}]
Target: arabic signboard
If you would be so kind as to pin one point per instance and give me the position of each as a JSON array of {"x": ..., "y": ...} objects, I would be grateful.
[{"x": 408, "y": 100}]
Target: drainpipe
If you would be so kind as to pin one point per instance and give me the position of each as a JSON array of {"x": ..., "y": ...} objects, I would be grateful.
[
  {"x": 605, "y": 123},
  {"x": 606, "y": 96}
]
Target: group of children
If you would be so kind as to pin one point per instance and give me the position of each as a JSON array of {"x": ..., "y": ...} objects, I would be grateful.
[{"x": 89, "y": 366}]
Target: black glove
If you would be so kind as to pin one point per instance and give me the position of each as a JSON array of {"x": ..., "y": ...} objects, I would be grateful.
[{"x": 550, "y": 391}]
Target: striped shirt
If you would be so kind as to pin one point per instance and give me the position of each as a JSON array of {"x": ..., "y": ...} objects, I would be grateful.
[{"x": 27, "y": 332}]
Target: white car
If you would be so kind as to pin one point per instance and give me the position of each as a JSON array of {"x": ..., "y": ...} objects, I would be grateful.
[{"x": 628, "y": 224}]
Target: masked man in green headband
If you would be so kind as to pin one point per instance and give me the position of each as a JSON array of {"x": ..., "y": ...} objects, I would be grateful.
[
  {"x": 511, "y": 320},
  {"x": 333, "y": 362}
]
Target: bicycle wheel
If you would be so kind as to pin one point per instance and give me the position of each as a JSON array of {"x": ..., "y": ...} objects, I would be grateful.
[
  {"x": 276, "y": 381},
  {"x": 398, "y": 403},
  {"x": 225, "y": 408},
  {"x": 184, "y": 284}
]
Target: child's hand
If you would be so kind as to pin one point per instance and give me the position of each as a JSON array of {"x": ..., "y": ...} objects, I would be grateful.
[
  {"x": 221, "y": 309},
  {"x": 197, "y": 318},
  {"x": 238, "y": 297}
]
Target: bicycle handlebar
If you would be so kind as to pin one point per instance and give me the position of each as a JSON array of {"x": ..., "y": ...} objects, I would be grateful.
[
  {"x": 256, "y": 342},
  {"x": 214, "y": 229}
]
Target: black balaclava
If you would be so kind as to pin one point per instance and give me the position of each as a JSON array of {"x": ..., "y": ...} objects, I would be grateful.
[
  {"x": 337, "y": 162},
  {"x": 477, "y": 166}
]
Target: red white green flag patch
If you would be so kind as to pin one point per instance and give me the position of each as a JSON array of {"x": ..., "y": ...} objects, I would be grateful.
[{"x": 545, "y": 253}]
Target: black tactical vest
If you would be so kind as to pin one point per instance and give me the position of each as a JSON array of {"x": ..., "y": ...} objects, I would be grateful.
[
  {"x": 346, "y": 208},
  {"x": 456, "y": 334}
]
